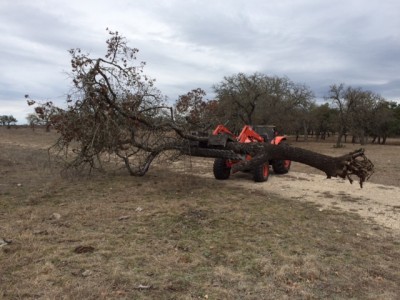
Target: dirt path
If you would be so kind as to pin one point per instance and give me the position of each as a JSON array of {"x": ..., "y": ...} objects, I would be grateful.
[
  {"x": 380, "y": 203},
  {"x": 376, "y": 202}
]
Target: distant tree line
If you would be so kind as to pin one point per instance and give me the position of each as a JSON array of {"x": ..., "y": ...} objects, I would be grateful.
[
  {"x": 7, "y": 120},
  {"x": 257, "y": 99},
  {"x": 261, "y": 99}
]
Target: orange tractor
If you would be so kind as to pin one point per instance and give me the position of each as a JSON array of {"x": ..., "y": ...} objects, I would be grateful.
[{"x": 261, "y": 134}]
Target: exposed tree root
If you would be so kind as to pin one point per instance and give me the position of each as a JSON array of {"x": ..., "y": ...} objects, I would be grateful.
[{"x": 356, "y": 163}]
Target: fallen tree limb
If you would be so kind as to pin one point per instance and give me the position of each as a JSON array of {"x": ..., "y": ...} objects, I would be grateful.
[{"x": 353, "y": 164}]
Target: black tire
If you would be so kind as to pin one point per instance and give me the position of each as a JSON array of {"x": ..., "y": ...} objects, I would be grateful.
[
  {"x": 221, "y": 169},
  {"x": 261, "y": 173},
  {"x": 281, "y": 166}
]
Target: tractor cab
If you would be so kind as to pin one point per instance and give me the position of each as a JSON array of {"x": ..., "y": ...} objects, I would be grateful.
[{"x": 268, "y": 132}]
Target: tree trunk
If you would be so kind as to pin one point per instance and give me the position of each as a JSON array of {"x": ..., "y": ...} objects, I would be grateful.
[
  {"x": 362, "y": 137},
  {"x": 354, "y": 163},
  {"x": 339, "y": 139},
  {"x": 305, "y": 128}
]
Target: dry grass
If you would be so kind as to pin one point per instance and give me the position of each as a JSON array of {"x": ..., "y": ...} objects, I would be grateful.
[{"x": 173, "y": 235}]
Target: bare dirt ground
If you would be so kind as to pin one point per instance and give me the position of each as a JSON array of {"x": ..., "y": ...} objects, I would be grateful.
[
  {"x": 378, "y": 200},
  {"x": 177, "y": 233}
]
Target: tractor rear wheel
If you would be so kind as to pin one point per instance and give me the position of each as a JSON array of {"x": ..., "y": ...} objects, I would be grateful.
[
  {"x": 261, "y": 173},
  {"x": 221, "y": 169}
]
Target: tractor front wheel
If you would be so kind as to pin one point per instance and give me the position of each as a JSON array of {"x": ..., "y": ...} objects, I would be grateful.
[
  {"x": 261, "y": 173},
  {"x": 281, "y": 166},
  {"x": 221, "y": 169}
]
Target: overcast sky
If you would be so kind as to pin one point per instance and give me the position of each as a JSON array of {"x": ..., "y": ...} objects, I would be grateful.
[{"x": 189, "y": 44}]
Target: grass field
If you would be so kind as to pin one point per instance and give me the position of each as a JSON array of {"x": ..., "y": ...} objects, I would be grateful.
[{"x": 174, "y": 235}]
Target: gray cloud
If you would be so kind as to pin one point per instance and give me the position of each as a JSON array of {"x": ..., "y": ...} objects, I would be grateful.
[{"x": 190, "y": 44}]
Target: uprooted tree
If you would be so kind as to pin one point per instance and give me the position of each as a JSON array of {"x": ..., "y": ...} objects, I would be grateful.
[{"x": 116, "y": 112}]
